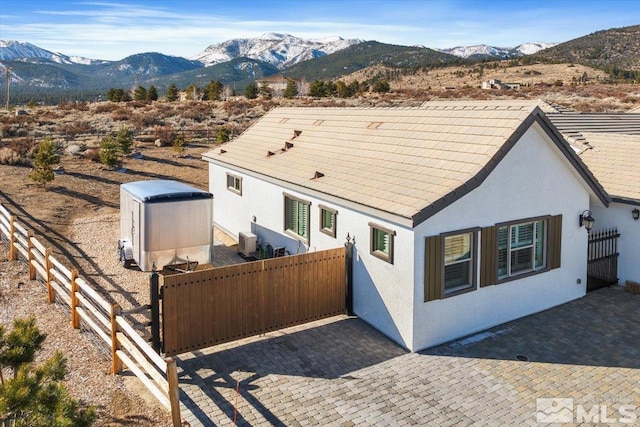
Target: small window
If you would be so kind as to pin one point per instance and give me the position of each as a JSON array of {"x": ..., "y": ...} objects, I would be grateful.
[
  {"x": 328, "y": 220},
  {"x": 459, "y": 262},
  {"x": 382, "y": 242},
  {"x": 234, "y": 184},
  {"x": 521, "y": 248},
  {"x": 296, "y": 217}
]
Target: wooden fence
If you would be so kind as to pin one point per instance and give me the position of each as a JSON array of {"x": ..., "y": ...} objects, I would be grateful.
[
  {"x": 209, "y": 307},
  {"x": 87, "y": 306}
]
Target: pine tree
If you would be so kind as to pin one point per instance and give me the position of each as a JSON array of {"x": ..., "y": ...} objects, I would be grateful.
[
  {"x": 222, "y": 135},
  {"x": 140, "y": 94},
  {"x": 213, "y": 90},
  {"x": 152, "y": 93},
  {"x": 251, "y": 92},
  {"x": 109, "y": 151},
  {"x": 265, "y": 90},
  {"x": 124, "y": 140},
  {"x": 43, "y": 161},
  {"x": 172, "y": 93},
  {"x": 292, "y": 89},
  {"x": 36, "y": 396}
]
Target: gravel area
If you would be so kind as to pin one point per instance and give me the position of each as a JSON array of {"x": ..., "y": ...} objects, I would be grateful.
[{"x": 120, "y": 399}]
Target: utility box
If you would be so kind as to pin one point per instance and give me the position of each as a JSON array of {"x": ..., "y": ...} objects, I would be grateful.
[{"x": 164, "y": 223}]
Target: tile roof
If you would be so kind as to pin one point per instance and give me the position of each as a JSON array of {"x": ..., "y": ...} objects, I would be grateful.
[
  {"x": 573, "y": 125},
  {"x": 408, "y": 162},
  {"x": 614, "y": 159}
]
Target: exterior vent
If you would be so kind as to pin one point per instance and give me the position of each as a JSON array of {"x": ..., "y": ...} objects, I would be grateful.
[
  {"x": 296, "y": 133},
  {"x": 247, "y": 243},
  {"x": 222, "y": 151},
  {"x": 270, "y": 153},
  {"x": 287, "y": 145},
  {"x": 318, "y": 175}
]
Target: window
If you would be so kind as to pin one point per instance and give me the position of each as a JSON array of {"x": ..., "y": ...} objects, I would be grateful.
[
  {"x": 459, "y": 259},
  {"x": 234, "y": 183},
  {"x": 382, "y": 242},
  {"x": 328, "y": 220},
  {"x": 521, "y": 248},
  {"x": 296, "y": 217}
]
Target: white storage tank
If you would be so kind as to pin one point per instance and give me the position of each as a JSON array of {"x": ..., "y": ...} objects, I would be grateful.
[{"x": 164, "y": 222}]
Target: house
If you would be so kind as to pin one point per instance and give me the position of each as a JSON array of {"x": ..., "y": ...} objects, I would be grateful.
[
  {"x": 497, "y": 84},
  {"x": 609, "y": 144},
  {"x": 465, "y": 213}
]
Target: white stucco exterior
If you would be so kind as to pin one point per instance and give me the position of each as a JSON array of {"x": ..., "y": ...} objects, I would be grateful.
[
  {"x": 619, "y": 215},
  {"x": 534, "y": 179}
]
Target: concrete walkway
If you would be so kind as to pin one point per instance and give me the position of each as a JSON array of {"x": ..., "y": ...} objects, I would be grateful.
[{"x": 342, "y": 372}]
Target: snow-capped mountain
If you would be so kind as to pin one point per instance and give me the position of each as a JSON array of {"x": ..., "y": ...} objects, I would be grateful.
[
  {"x": 11, "y": 50},
  {"x": 280, "y": 50},
  {"x": 482, "y": 50}
]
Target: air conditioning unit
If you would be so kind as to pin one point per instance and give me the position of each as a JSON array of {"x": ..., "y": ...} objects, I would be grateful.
[{"x": 247, "y": 242}]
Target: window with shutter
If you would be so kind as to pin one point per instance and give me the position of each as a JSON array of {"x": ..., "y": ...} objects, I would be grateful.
[
  {"x": 381, "y": 242},
  {"x": 296, "y": 217}
]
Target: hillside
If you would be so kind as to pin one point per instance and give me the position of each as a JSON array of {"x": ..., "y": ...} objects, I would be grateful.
[
  {"x": 366, "y": 54},
  {"x": 617, "y": 47}
]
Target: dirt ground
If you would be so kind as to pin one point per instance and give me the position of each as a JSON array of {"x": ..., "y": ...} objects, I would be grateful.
[{"x": 85, "y": 189}]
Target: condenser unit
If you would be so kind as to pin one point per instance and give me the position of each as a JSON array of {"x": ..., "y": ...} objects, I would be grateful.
[{"x": 247, "y": 242}]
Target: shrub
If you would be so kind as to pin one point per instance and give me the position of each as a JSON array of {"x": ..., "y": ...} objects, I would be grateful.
[
  {"x": 165, "y": 134},
  {"x": 109, "y": 151},
  {"x": 43, "y": 161},
  {"x": 9, "y": 157}
]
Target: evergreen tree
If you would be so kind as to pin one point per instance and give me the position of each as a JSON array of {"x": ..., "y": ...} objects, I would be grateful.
[
  {"x": 140, "y": 94},
  {"x": 179, "y": 143},
  {"x": 193, "y": 93},
  {"x": 43, "y": 161},
  {"x": 152, "y": 93},
  {"x": 251, "y": 92},
  {"x": 36, "y": 396},
  {"x": 292, "y": 89},
  {"x": 124, "y": 140},
  {"x": 213, "y": 90},
  {"x": 109, "y": 151},
  {"x": 222, "y": 135},
  {"x": 265, "y": 90},
  {"x": 317, "y": 89},
  {"x": 172, "y": 93}
]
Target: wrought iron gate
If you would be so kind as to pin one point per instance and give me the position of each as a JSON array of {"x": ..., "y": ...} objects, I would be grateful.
[{"x": 602, "y": 264}]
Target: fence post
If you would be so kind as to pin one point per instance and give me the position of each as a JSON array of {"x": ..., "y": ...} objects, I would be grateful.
[
  {"x": 154, "y": 284},
  {"x": 174, "y": 392},
  {"x": 32, "y": 269},
  {"x": 51, "y": 293},
  {"x": 12, "y": 238},
  {"x": 348, "y": 259},
  {"x": 75, "y": 318},
  {"x": 116, "y": 363}
]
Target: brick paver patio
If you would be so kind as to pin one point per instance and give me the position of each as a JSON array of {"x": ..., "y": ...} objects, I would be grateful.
[{"x": 342, "y": 372}]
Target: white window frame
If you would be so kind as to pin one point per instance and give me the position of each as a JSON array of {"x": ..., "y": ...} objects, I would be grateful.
[
  {"x": 236, "y": 186},
  {"x": 472, "y": 261},
  {"x": 539, "y": 237}
]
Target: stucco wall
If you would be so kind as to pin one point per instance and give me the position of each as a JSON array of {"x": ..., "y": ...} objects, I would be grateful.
[
  {"x": 619, "y": 215},
  {"x": 383, "y": 292},
  {"x": 534, "y": 179}
]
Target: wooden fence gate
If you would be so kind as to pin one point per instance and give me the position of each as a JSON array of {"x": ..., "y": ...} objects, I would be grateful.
[
  {"x": 204, "y": 308},
  {"x": 602, "y": 264}
]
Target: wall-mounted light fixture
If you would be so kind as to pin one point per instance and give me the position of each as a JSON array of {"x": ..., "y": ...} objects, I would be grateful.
[
  {"x": 635, "y": 213},
  {"x": 587, "y": 220}
]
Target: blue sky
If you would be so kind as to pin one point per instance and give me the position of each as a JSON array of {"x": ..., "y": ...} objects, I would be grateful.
[{"x": 116, "y": 29}]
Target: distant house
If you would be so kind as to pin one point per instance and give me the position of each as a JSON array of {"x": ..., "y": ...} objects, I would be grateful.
[
  {"x": 464, "y": 213},
  {"x": 497, "y": 84}
]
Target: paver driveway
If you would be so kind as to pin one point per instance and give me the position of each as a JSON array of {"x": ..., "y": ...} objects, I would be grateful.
[{"x": 342, "y": 372}]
